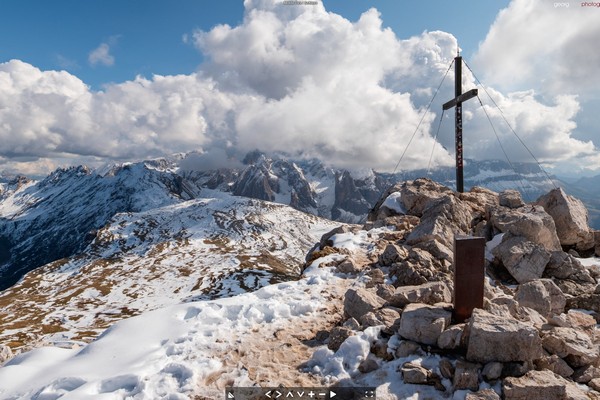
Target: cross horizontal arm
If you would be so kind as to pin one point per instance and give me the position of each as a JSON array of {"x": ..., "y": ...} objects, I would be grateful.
[{"x": 463, "y": 97}]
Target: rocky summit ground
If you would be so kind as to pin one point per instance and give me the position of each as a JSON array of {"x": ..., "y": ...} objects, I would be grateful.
[{"x": 536, "y": 336}]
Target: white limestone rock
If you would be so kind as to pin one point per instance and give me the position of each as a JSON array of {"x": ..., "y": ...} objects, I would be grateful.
[
  {"x": 501, "y": 339},
  {"x": 424, "y": 323}
]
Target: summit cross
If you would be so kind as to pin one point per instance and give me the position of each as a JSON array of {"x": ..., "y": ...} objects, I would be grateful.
[{"x": 457, "y": 101}]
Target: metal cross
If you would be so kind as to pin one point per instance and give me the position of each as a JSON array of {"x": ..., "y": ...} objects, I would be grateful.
[{"x": 457, "y": 101}]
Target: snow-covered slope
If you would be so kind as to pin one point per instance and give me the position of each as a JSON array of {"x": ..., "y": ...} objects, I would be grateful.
[
  {"x": 190, "y": 350},
  {"x": 199, "y": 249}
]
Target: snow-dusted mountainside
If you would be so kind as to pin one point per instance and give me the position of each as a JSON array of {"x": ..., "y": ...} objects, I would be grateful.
[
  {"x": 57, "y": 217},
  {"x": 199, "y": 249}
]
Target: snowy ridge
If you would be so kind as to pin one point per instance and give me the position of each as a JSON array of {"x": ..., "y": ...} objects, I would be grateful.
[{"x": 198, "y": 249}]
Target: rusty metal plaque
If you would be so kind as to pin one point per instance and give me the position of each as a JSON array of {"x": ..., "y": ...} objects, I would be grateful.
[{"x": 469, "y": 270}]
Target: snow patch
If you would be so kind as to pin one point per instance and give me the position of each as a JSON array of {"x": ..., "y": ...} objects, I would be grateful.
[
  {"x": 491, "y": 245},
  {"x": 393, "y": 202}
]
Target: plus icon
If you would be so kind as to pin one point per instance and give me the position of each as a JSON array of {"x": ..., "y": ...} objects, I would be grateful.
[{"x": 311, "y": 394}]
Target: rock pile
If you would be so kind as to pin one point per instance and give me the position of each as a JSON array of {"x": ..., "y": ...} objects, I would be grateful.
[{"x": 531, "y": 340}]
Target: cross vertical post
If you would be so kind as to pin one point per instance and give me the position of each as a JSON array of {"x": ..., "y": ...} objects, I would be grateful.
[
  {"x": 458, "y": 123},
  {"x": 459, "y": 97}
]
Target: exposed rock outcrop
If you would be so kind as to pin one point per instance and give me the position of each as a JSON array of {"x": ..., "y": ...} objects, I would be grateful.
[
  {"x": 571, "y": 219},
  {"x": 542, "y": 295},
  {"x": 525, "y": 260},
  {"x": 527, "y": 339},
  {"x": 532, "y": 223}
]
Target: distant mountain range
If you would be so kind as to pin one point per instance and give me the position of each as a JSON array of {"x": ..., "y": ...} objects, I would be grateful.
[{"x": 61, "y": 215}]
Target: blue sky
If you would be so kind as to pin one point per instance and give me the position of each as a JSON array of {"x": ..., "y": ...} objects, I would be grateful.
[
  {"x": 101, "y": 81},
  {"x": 145, "y": 37}
]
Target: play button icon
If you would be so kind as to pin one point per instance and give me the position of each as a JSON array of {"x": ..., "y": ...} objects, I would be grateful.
[{"x": 332, "y": 394}]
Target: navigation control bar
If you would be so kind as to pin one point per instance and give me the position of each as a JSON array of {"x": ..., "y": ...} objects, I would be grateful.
[{"x": 300, "y": 393}]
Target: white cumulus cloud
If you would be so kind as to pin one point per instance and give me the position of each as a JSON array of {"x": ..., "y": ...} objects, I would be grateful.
[
  {"x": 293, "y": 79},
  {"x": 544, "y": 44}
]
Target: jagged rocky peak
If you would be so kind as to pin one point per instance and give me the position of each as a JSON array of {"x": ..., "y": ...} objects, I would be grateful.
[
  {"x": 309, "y": 186},
  {"x": 536, "y": 335},
  {"x": 277, "y": 180}
]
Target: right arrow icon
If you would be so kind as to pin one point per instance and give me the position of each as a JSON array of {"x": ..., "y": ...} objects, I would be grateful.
[{"x": 332, "y": 394}]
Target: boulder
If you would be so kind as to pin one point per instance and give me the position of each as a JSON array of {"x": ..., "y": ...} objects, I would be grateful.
[
  {"x": 446, "y": 368},
  {"x": 533, "y": 223},
  {"x": 507, "y": 307},
  {"x": 352, "y": 323},
  {"x": 451, "y": 338},
  {"x": 570, "y": 217},
  {"x": 337, "y": 336},
  {"x": 437, "y": 249},
  {"x": 575, "y": 319},
  {"x": 368, "y": 365},
  {"x": 428, "y": 293},
  {"x": 501, "y": 339},
  {"x": 385, "y": 291},
  {"x": 484, "y": 394},
  {"x": 406, "y": 348},
  {"x": 510, "y": 198},
  {"x": 595, "y": 384},
  {"x": 378, "y": 212},
  {"x": 392, "y": 254},
  {"x": 388, "y": 317},
  {"x": 587, "y": 301},
  {"x": 535, "y": 385},
  {"x": 555, "y": 364},
  {"x": 597, "y": 243},
  {"x": 424, "y": 323},
  {"x": 575, "y": 346},
  {"x": 380, "y": 349},
  {"x": 524, "y": 260},
  {"x": 492, "y": 370},
  {"x": 542, "y": 295},
  {"x": 415, "y": 374},
  {"x": 479, "y": 199},
  {"x": 517, "y": 369},
  {"x": 466, "y": 376},
  {"x": 580, "y": 320},
  {"x": 349, "y": 266},
  {"x": 418, "y": 194},
  {"x": 564, "y": 266},
  {"x": 441, "y": 221},
  {"x": 358, "y": 302},
  {"x": 420, "y": 267},
  {"x": 586, "y": 374},
  {"x": 376, "y": 278}
]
